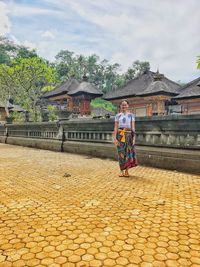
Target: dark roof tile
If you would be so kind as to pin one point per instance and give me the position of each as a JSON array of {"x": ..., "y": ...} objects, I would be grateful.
[
  {"x": 85, "y": 87},
  {"x": 138, "y": 85},
  {"x": 158, "y": 87},
  {"x": 190, "y": 90},
  {"x": 63, "y": 88}
]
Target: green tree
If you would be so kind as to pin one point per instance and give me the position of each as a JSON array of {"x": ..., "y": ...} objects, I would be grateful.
[
  {"x": 24, "y": 76},
  {"x": 24, "y": 79},
  {"x": 102, "y": 74},
  {"x": 137, "y": 68},
  {"x": 52, "y": 112},
  {"x": 101, "y": 103},
  {"x": 9, "y": 50},
  {"x": 64, "y": 64},
  {"x": 24, "y": 52},
  {"x": 110, "y": 74},
  {"x": 4, "y": 58}
]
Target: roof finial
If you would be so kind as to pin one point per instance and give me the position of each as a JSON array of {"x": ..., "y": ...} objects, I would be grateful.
[
  {"x": 158, "y": 76},
  {"x": 85, "y": 78},
  {"x": 72, "y": 75}
]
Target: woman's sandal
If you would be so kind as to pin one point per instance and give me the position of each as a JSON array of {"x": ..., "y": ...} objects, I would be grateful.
[
  {"x": 126, "y": 174},
  {"x": 121, "y": 175}
]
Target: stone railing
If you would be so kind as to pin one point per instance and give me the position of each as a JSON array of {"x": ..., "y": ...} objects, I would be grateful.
[
  {"x": 168, "y": 131},
  {"x": 57, "y": 131},
  {"x": 89, "y": 136},
  {"x": 182, "y": 140},
  {"x": 171, "y": 142},
  {"x": 3, "y": 130},
  {"x": 34, "y": 130}
]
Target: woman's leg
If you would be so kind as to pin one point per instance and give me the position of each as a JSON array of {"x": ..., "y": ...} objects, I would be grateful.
[
  {"x": 126, "y": 174},
  {"x": 119, "y": 150}
]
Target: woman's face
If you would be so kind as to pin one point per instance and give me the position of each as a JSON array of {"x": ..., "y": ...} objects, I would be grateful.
[{"x": 124, "y": 106}]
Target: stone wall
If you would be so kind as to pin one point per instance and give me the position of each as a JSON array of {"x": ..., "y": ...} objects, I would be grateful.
[
  {"x": 171, "y": 142},
  {"x": 175, "y": 131}
]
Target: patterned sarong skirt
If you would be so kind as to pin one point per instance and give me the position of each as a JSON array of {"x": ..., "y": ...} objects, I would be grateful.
[{"x": 126, "y": 150}]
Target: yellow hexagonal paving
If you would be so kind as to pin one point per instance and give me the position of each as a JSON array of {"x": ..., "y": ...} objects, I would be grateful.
[{"x": 93, "y": 218}]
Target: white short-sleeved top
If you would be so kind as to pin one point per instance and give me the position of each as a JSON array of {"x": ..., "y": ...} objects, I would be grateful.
[{"x": 125, "y": 119}]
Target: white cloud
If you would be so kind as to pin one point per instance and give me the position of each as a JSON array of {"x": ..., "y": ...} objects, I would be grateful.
[
  {"x": 29, "y": 44},
  {"x": 49, "y": 48},
  {"x": 48, "y": 34},
  {"x": 165, "y": 33},
  {"x": 4, "y": 22},
  {"x": 14, "y": 39},
  {"x": 21, "y": 10},
  {"x": 26, "y": 43}
]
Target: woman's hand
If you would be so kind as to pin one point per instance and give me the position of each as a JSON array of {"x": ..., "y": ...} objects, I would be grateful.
[
  {"x": 133, "y": 141},
  {"x": 133, "y": 135}
]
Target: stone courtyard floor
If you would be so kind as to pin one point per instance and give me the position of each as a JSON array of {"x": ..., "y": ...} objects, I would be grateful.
[{"x": 70, "y": 210}]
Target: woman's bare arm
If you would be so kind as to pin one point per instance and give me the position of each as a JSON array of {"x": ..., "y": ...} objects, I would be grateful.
[
  {"x": 115, "y": 132},
  {"x": 133, "y": 129},
  {"x": 133, "y": 126}
]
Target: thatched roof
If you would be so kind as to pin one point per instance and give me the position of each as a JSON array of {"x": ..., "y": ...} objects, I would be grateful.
[
  {"x": 158, "y": 87},
  {"x": 12, "y": 107},
  {"x": 85, "y": 87},
  {"x": 140, "y": 86},
  {"x": 190, "y": 90},
  {"x": 72, "y": 87},
  {"x": 63, "y": 88}
]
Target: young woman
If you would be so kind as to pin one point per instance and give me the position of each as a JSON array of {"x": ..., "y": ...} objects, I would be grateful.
[{"x": 124, "y": 139}]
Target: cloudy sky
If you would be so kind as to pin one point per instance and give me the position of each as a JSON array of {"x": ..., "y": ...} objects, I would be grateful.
[{"x": 164, "y": 32}]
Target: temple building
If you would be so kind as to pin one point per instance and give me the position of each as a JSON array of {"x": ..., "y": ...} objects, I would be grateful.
[
  {"x": 74, "y": 96},
  {"x": 189, "y": 97},
  {"x": 10, "y": 107},
  {"x": 149, "y": 94}
]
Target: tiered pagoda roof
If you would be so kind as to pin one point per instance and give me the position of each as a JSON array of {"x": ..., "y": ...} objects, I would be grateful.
[
  {"x": 72, "y": 87},
  {"x": 63, "y": 88},
  {"x": 85, "y": 87}
]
